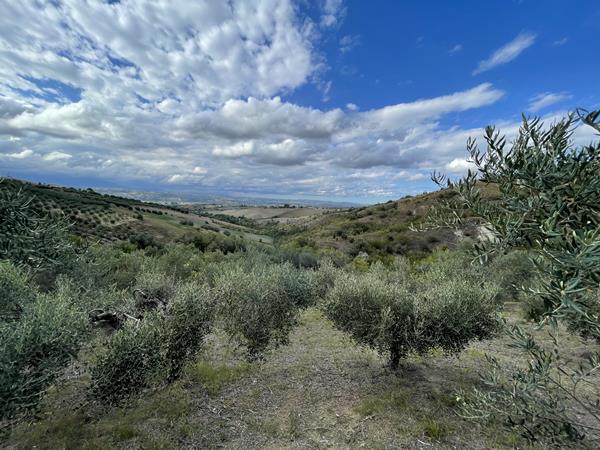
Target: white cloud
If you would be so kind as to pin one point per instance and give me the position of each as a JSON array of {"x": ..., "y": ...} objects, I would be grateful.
[
  {"x": 348, "y": 42},
  {"x": 191, "y": 93},
  {"x": 458, "y": 165},
  {"x": 57, "y": 156},
  {"x": 506, "y": 53},
  {"x": 203, "y": 51},
  {"x": 560, "y": 42},
  {"x": 546, "y": 99},
  {"x": 333, "y": 12},
  {"x": 457, "y": 48},
  {"x": 236, "y": 150},
  {"x": 26, "y": 153}
]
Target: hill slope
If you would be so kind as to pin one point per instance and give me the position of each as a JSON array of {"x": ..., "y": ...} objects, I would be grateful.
[
  {"x": 378, "y": 230},
  {"x": 108, "y": 217}
]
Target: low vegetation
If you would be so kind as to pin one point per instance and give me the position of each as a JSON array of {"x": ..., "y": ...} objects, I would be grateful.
[{"x": 401, "y": 312}]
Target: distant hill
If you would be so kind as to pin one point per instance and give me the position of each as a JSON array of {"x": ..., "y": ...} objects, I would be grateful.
[
  {"x": 378, "y": 230},
  {"x": 109, "y": 217},
  {"x": 222, "y": 199}
]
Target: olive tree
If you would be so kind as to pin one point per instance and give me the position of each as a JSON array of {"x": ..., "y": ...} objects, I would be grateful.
[
  {"x": 398, "y": 313},
  {"x": 549, "y": 202}
]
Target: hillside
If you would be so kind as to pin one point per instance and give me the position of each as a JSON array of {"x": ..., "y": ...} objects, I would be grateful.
[
  {"x": 378, "y": 230},
  {"x": 109, "y": 218}
]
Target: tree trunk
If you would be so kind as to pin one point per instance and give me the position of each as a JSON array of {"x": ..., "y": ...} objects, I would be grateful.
[{"x": 395, "y": 355}]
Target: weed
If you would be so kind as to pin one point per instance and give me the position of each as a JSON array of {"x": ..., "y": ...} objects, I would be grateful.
[
  {"x": 434, "y": 429},
  {"x": 215, "y": 378}
]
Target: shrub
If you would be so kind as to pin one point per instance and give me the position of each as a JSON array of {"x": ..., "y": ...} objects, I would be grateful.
[
  {"x": 189, "y": 318},
  {"x": 324, "y": 278},
  {"x": 412, "y": 314},
  {"x": 154, "y": 288},
  {"x": 359, "y": 246},
  {"x": 254, "y": 306},
  {"x": 297, "y": 284},
  {"x": 131, "y": 360},
  {"x": 16, "y": 292},
  {"x": 512, "y": 272},
  {"x": 143, "y": 241},
  {"x": 178, "y": 260},
  {"x": 107, "y": 265},
  {"x": 34, "y": 348}
]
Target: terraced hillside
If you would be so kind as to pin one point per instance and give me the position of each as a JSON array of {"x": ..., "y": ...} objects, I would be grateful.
[{"x": 109, "y": 218}]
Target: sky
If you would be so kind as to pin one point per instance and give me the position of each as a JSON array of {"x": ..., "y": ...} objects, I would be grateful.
[{"x": 325, "y": 99}]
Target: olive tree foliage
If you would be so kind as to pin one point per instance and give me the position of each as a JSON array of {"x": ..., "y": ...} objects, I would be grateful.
[
  {"x": 39, "y": 333},
  {"x": 34, "y": 348},
  {"x": 549, "y": 202},
  {"x": 27, "y": 238},
  {"x": 258, "y": 301},
  {"x": 154, "y": 349},
  {"x": 397, "y": 312}
]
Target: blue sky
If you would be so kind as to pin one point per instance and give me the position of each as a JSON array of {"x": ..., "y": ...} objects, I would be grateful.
[{"x": 327, "y": 99}]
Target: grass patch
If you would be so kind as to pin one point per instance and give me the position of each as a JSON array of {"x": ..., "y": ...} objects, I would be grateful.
[
  {"x": 294, "y": 424},
  {"x": 68, "y": 429},
  {"x": 267, "y": 426},
  {"x": 215, "y": 377},
  {"x": 434, "y": 429},
  {"x": 392, "y": 399}
]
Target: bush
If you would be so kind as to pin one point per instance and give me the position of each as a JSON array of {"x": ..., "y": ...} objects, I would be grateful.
[
  {"x": 512, "y": 272},
  {"x": 157, "y": 347},
  {"x": 16, "y": 292},
  {"x": 131, "y": 360},
  {"x": 143, "y": 241},
  {"x": 155, "y": 288},
  {"x": 412, "y": 314},
  {"x": 255, "y": 306},
  {"x": 108, "y": 265},
  {"x": 297, "y": 284},
  {"x": 324, "y": 279},
  {"x": 34, "y": 348},
  {"x": 189, "y": 319},
  {"x": 179, "y": 260},
  {"x": 359, "y": 246}
]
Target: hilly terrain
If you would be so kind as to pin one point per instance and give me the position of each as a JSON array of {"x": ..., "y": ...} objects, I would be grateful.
[
  {"x": 381, "y": 231},
  {"x": 110, "y": 218}
]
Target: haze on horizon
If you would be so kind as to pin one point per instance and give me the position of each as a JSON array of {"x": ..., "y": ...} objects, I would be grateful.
[{"x": 347, "y": 100}]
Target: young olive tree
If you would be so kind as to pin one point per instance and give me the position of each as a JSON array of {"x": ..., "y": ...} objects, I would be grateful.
[
  {"x": 549, "y": 202},
  {"x": 398, "y": 313}
]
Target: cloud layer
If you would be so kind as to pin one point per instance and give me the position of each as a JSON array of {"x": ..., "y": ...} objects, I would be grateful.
[{"x": 191, "y": 94}]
